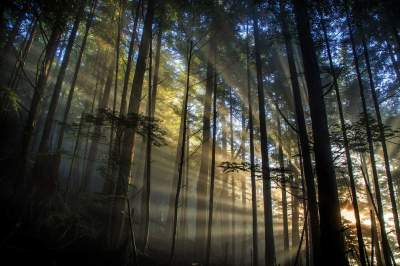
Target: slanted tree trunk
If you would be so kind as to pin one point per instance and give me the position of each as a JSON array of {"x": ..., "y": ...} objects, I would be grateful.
[
  {"x": 75, "y": 76},
  {"x": 381, "y": 128},
  {"x": 266, "y": 178},
  {"x": 128, "y": 69},
  {"x": 23, "y": 54},
  {"x": 182, "y": 152},
  {"x": 360, "y": 241},
  {"x": 42, "y": 76},
  {"x": 332, "y": 243},
  {"x": 385, "y": 243},
  {"x": 117, "y": 220},
  {"x": 44, "y": 142},
  {"x": 373, "y": 211},
  {"x": 134, "y": 102},
  {"x": 304, "y": 142}
]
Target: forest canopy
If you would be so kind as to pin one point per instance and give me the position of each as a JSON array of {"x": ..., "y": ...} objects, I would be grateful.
[{"x": 212, "y": 132}]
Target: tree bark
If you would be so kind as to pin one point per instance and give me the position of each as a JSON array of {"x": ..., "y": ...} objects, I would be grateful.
[
  {"x": 182, "y": 152},
  {"x": 201, "y": 188},
  {"x": 360, "y": 241},
  {"x": 332, "y": 243},
  {"x": 385, "y": 243},
  {"x": 381, "y": 128},
  {"x": 122, "y": 109},
  {"x": 304, "y": 141},
  {"x": 30, "y": 123},
  {"x": 44, "y": 142},
  {"x": 75, "y": 77},
  {"x": 268, "y": 217},
  {"x": 212, "y": 172},
  {"x": 283, "y": 189},
  {"x": 252, "y": 158}
]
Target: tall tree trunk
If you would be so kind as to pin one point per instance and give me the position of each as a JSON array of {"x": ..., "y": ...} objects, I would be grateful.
[
  {"x": 147, "y": 167},
  {"x": 134, "y": 103},
  {"x": 44, "y": 142},
  {"x": 360, "y": 241},
  {"x": 30, "y": 123},
  {"x": 243, "y": 187},
  {"x": 385, "y": 243},
  {"x": 152, "y": 93},
  {"x": 266, "y": 178},
  {"x": 304, "y": 142},
  {"x": 381, "y": 128},
  {"x": 84, "y": 180},
  {"x": 233, "y": 187},
  {"x": 372, "y": 206},
  {"x": 182, "y": 152},
  {"x": 23, "y": 54},
  {"x": 294, "y": 190},
  {"x": 201, "y": 188},
  {"x": 157, "y": 63},
  {"x": 97, "y": 131},
  {"x": 75, "y": 76},
  {"x": 283, "y": 188},
  {"x": 212, "y": 172},
  {"x": 122, "y": 109},
  {"x": 252, "y": 158},
  {"x": 332, "y": 244}
]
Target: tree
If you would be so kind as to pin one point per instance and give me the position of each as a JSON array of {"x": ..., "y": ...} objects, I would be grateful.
[
  {"x": 269, "y": 231},
  {"x": 332, "y": 246}
]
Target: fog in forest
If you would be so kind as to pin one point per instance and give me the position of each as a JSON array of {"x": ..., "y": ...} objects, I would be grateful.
[{"x": 188, "y": 132}]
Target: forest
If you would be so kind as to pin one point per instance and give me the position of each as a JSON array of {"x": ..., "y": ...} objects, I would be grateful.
[{"x": 200, "y": 132}]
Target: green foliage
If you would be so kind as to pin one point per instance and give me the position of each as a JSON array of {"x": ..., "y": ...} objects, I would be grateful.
[{"x": 9, "y": 101}]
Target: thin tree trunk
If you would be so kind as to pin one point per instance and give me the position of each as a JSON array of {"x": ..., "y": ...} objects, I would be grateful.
[
  {"x": 360, "y": 241},
  {"x": 147, "y": 169},
  {"x": 75, "y": 77},
  {"x": 97, "y": 131},
  {"x": 182, "y": 152},
  {"x": 283, "y": 188},
  {"x": 30, "y": 123},
  {"x": 266, "y": 178},
  {"x": 23, "y": 54},
  {"x": 84, "y": 181},
  {"x": 157, "y": 63},
  {"x": 201, "y": 188},
  {"x": 304, "y": 142},
  {"x": 332, "y": 243},
  {"x": 254, "y": 256},
  {"x": 44, "y": 142},
  {"x": 243, "y": 208},
  {"x": 134, "y": 103},
  {"x": 233, "y": 188},
  {"x": 294, "y": 189},
  {"x": 212, "y": 173},
  {"x": 385, "y": 243},
  {"x": 381, "y": 128},
  {"x": 74, "y": 154},
  {"x": 122, "y": 109}
]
